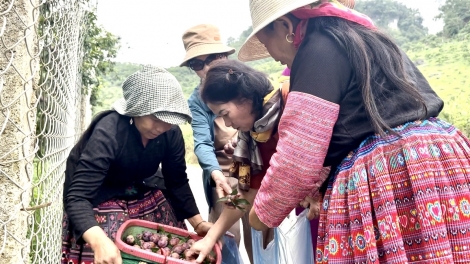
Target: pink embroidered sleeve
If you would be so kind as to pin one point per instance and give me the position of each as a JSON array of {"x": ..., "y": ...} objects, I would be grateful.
[{"x": 296, "y": 169}]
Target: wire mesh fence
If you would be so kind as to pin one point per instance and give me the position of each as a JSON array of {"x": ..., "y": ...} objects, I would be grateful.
[{"x": 40, "y": 89}]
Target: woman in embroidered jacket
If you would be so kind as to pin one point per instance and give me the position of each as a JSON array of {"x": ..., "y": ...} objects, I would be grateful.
[{"x": 398, "y": 191}]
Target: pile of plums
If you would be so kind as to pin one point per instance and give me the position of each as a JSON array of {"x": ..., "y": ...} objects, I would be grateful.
[{"x": 161, "y": 242}]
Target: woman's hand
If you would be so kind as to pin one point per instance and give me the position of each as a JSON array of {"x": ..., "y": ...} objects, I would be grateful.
[
  {"x": 203, "y": 228},
  {"x": 105, "y": 251},
  {"x": 203, "y": 247},
  {"x": 222, "y": 185},
  {"x": 229, "y": 148},
  {"x": 255, "y": 222},
  {"x": 313, "y": 205}
]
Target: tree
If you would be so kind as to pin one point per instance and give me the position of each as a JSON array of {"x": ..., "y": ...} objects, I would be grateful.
[
  {"x": 456, "y": 15},
  {"x": 237, "y": 43},
  {"x": 400, "y": 22},
  {"x": 100, "y": 47},
  {"x": 230, "y": 41}
]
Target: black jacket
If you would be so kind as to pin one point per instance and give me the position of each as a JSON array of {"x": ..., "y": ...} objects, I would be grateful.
[{"x": 113, "y": 159}]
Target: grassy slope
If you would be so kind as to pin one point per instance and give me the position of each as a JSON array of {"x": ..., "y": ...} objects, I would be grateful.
[{"x": 447, "y": 68}]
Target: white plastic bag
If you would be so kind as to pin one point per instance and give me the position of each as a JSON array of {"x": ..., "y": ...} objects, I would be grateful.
[
  {"x": 294, "y": 240},
  {"x": 270, "y": 255}
]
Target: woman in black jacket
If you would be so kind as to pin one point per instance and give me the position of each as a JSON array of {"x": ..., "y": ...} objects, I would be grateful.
[{"x": 113, "y": 174}]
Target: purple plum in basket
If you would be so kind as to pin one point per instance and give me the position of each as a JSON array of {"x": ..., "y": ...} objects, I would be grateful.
[
  {"x": 130, "y": 240},
  {"x": 184, "y": 246},
  {"x": 147, "y": 245},
  {"x": 210, "y": 258},
  {"x": 189, "y": 255},
  {"x": 162, "y": 242},
  {"x": 190, "y": 242},
  {"x": 146, "y": 236},
  {"x": 166, "y": 251},
  {"x": 174, "y": 241},
  {"x": 154, "y": 238},
  {"x": 178, "y": 249}
]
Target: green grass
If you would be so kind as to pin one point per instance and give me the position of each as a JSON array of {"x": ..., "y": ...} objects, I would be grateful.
[
  {"x": 446, "y": 66},
  {"x": 107, "y": 95},
  {"x": 189, "y": 144}
]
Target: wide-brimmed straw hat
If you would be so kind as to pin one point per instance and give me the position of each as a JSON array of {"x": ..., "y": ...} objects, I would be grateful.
[
  {"x": 201, "y": 40},
  {"x": 263, "y": 12},
  {"x": 154, "y": 91}
]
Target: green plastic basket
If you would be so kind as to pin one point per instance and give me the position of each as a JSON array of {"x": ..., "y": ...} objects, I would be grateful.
[{"x": 130, "y": 259}]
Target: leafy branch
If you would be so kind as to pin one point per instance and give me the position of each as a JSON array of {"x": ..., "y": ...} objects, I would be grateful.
[{"x": 233, "y": 200}]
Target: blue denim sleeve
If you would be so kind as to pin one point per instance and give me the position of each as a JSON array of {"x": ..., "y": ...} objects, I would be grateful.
[{"x": 203, "y": 142}]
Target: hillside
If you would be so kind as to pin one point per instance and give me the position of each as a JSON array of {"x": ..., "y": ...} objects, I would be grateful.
[
  {"x": 444, "y": 63},
  {"x": 446, "y": 66}
]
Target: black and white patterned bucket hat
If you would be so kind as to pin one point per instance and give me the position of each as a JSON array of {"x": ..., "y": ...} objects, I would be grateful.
[{"x": 153, "y": 90}]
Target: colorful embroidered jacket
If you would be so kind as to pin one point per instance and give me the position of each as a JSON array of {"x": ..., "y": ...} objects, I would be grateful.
[{"x": 324, "y": 119}]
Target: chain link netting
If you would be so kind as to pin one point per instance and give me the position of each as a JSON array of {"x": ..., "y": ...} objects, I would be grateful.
[{"x": 40, "y": 89}]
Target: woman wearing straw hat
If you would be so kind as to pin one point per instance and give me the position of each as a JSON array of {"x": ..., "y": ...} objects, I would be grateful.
[
  {"x": 398, "y": 191},
  {"x": 112, "y": 173},
  {"x": 212, "y": 139}
]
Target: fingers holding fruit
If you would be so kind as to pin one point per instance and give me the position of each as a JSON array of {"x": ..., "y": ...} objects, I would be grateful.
[
  {"x": 201, "y": 249},
  {"x": 107, "y": 253}
]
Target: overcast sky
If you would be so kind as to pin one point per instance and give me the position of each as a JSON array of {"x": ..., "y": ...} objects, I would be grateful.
[{"x": 151, "y": 30}]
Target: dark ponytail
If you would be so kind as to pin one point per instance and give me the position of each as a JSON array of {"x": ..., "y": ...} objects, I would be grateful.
[{"x": 231, "y": 80}]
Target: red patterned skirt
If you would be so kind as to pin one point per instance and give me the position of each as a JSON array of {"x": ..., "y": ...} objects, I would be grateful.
[
  {"x": 111, "y": 215},
  {"x": 400, "y": 200}
]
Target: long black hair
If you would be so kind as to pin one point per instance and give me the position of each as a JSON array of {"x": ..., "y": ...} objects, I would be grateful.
[
  {"x": 231, "y": 80},
  {"x": 378, "y": 64}
]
